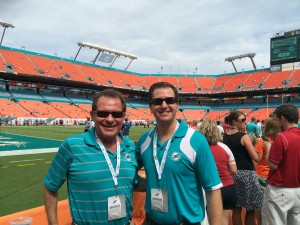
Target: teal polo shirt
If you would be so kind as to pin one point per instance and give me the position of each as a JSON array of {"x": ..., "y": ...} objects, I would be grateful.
[
  {"x": 81, "y": 162},
  {"x": 189, "y": 167},
  {"x": 252, "y": 128}
]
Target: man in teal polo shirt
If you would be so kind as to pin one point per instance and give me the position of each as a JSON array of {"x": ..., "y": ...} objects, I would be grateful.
[
  {"x": 99, "y": 166},
  {"x": 252, "y": 128},
  {"x": 178, "y": 165}
]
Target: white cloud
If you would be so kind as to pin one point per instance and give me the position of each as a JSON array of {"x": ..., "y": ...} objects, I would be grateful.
[{"x": 178, "y": 35}]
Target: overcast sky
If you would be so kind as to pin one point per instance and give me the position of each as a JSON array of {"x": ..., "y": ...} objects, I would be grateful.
[{"x": 178, "y": 35}]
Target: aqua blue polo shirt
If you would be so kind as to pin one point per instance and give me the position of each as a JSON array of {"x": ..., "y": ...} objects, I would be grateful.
[
  {"x": 81, "y": 162},
  {"x": 189, "y": 167},
  {"x": 252, "y": 128}
]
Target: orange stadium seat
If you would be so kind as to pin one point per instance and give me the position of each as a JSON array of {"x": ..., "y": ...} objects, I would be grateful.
[
  {"x": 69, "y": 110},
  {"x": 188, "y": 84},
  {"x": 112, "y": 77},
  {"x": 191, "y": 115},
  {"x": 40, "y": 109},
  {"x": 131, "y": 81},
  {"x": 70, "y": 71},
  {"x": 151, "y": 79},
  {"x": 276, "y": 79},
  {"x": 20, "y": 62},
  {"x": 46, "y": 66},
  {"x": 220, "y": 84},
  {"x": 253, "y": 82},
  {"x": 140, "y": 81},
  {"x": 205, "y": 83},
  {"x": 294, "y": 80},
  {"x": 217, "y": 115},
  {"x": 3, "y": 64},
  {"x": 170, "y": 79},
  {"x": 234, "y": 82},
  {"x": 12, "y": 109}
]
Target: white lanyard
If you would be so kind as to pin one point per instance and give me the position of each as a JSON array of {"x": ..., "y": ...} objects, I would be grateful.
[
  {"x": 160, "y": 168},
  {"x": 114, "y": 173}
]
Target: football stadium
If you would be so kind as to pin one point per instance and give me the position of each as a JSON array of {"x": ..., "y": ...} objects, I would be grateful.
[{"x": 46, "y": 98}]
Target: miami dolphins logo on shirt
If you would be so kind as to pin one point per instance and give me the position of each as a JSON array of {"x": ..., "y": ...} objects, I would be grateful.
[
  {"x": 127, "y": 157},
  {"x": 176, "y": 156}
]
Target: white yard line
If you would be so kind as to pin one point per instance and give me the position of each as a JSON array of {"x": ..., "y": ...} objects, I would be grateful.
[
  {"x": 28, "y": 160},
  {"x": 28, "y": 151},
  {"x": 32, "y": 136}
]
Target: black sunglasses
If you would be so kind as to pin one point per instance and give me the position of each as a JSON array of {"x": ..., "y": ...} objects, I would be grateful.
[
  {"x": 104, "y": 114},
  {"x": 243, "y": 120},
  {"x": 159, "y": 101}
]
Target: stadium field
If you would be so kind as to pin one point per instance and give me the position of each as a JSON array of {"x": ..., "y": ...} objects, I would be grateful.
[{"x": 21, "y": 176}]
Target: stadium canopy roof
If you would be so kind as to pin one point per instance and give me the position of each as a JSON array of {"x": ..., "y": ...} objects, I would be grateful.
[{"x": 106, "y": 57}]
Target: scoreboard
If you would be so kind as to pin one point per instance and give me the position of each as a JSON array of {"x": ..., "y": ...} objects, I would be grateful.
[{"x": 286, "y": 48}]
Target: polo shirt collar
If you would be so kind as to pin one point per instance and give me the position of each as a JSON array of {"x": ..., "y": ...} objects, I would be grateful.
[
  {"x": 90, "y": 139},
  {"x": 181, "y": 131}
]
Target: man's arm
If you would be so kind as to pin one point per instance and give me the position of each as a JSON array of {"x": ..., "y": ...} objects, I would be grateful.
[
  {"x": 50, "y": 201},
  {"x": 214, "y": 207}
]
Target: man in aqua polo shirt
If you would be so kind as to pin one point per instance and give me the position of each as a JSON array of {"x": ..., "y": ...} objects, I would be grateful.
[
  {"x": 178, "y": 165},
  {"x": 252, "y": 128},
  {"x": 126, "y": 127},
  {"x": 99, "y": 166}
]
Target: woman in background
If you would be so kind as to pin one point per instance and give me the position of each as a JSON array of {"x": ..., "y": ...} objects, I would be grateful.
[
  {"x": 249, "y": 195},
  {"x": 271, "y": 129},
  {"x": 225, "y": 164}
]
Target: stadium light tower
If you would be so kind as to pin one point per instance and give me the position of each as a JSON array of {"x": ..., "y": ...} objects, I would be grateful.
[
  {"x": 248, "y": 55},
  {"x": 5, "y": 25},
  {"x": 106, "y": 57}
]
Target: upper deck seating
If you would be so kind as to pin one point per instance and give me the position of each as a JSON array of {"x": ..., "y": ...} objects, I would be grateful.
[
  {"x": 170, "y": 79},
  {"x": 19, "y": 62},
  {"x": 235, "y": 82},
  {"x": 70, "y": 71},
  {"x": 205, "y": 83},
  {"x": 46, "y": 66},
  {"x": 220, "y": 84},
  {"x": 255, "y": 81},
  {"x": 188, "y": 84},
  {"x": 276, "y": 79},
  {"x": 151, "y": 79},
  {"x": 294, "y": 80}
]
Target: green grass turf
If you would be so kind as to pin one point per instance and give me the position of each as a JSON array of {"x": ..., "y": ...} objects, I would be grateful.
[{"x": 21, "y": 183}]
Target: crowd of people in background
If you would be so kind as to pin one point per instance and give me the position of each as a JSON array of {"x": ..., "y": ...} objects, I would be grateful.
[{"x": 267, "y": 182}]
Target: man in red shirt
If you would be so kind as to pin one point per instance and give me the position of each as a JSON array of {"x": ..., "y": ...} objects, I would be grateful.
[{"x": 282, "y": 197}]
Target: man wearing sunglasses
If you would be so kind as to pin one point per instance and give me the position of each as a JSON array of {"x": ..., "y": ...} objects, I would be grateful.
[
  {"x": 178, "y": 164},
  {"x": 99, "y": 166}
]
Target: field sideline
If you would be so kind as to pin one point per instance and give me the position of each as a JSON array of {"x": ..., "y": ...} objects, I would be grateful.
[{"x": 22, "y": 175}]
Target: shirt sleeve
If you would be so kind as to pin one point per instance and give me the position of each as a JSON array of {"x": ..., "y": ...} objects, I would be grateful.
[
  {"x": 138, "y": 155},
  {"x": 58, "y": 171},
  {"x": 231, "y": 159},
  {"x": 277, "y": 149},
  {"x": 205, "y": 164}
]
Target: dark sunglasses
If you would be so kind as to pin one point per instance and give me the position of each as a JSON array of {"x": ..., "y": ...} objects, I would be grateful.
[
  {"x": 104, "y": 114},
  {"x": 159, "y": 101},
  {"x": 243, "y": 120}
]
